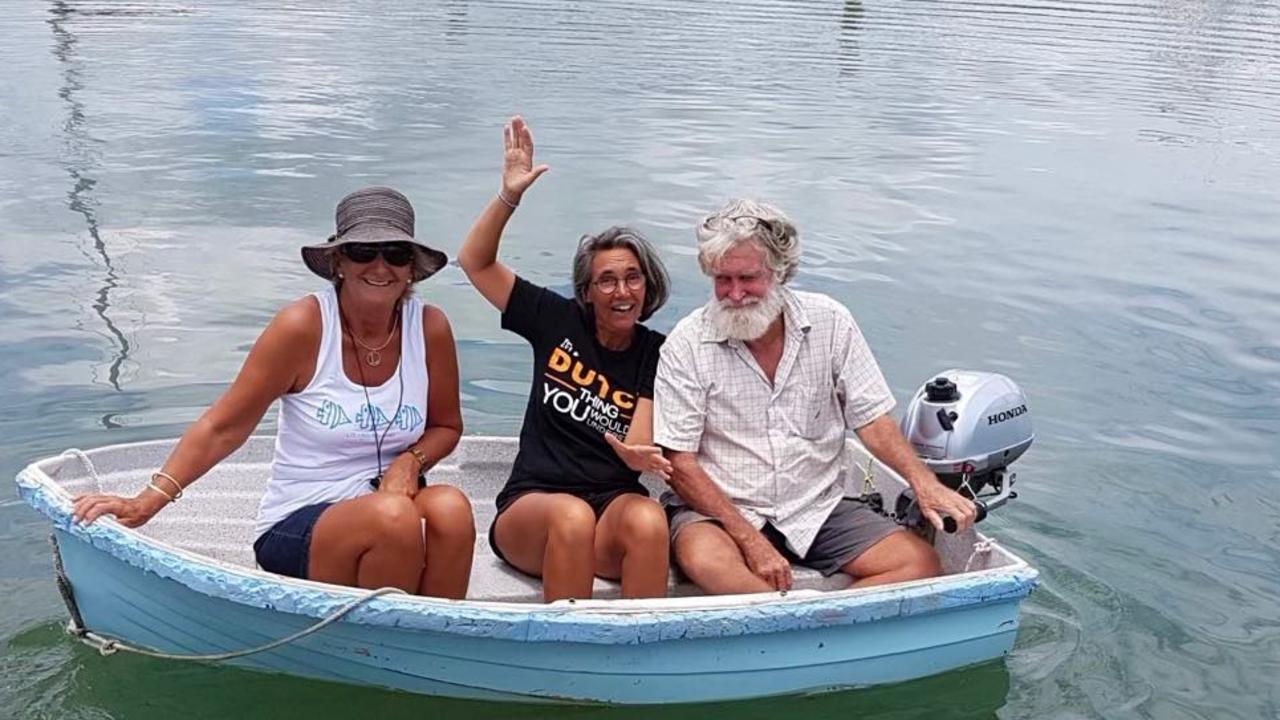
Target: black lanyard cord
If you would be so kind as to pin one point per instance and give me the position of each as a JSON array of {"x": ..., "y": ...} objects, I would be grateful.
[{"x": 364, "y": 386}]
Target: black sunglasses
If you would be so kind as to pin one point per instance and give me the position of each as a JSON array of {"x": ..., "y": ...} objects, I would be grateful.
[{"x": 398, "y": 254}]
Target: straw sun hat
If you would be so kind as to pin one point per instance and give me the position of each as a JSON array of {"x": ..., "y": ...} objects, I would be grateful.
[{"x": 374, "y": 215}]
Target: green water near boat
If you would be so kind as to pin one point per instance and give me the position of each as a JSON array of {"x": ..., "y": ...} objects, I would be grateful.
[{"x": 1082, "y": 196}]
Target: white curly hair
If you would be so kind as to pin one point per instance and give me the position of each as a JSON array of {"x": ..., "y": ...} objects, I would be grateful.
[{"x": 742, "y": 220}]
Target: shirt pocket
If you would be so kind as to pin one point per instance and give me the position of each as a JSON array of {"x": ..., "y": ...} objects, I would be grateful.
[
  {"x": 819, "y": 415},
  {"x": 813, "y": 410}
]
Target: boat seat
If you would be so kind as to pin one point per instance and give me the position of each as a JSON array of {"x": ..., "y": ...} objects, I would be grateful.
[{"x": 494, "y": 580}]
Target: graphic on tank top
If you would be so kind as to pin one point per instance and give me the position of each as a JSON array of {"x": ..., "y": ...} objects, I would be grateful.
[{"x": 367, "y": 417}]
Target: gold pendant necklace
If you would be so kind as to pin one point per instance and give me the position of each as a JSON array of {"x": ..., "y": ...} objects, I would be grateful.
[{"x": 373, "y": 355}]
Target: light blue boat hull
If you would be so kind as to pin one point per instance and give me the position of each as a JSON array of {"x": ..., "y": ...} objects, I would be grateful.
[
  {"x": 674, "y": 650},
  {"x": 119, "y": 600}
]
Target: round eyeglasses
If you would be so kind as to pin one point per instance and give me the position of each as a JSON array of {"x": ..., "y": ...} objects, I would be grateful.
[{"x": 609, "y": 283}]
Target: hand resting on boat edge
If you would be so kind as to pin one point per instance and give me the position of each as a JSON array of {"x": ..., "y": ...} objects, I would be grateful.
[
  {"x": 744, "y": 411},
  {"x": 367, "y": 376}
]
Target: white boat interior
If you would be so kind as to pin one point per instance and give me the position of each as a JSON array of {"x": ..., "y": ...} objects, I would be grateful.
[{"x": 215, "y": 517}]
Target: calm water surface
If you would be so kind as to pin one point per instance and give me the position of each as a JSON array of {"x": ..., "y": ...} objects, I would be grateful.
[{"x": 1082, "y": 195}]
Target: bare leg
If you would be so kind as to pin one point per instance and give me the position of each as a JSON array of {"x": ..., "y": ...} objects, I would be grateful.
[
  {"x": 899, "y": 557},
  {"x": 706, "y": 553},
  {"x": 552, "y": 536},
  {"x": 451, "y": 541},
  {"x": 632, "y": 542},
  {"x": 370, "y": 542}
]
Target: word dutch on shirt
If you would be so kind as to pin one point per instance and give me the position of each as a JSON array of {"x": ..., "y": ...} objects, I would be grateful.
[
  {"x": 585, "y": 394},
  {"x": 572, "y": 404}
]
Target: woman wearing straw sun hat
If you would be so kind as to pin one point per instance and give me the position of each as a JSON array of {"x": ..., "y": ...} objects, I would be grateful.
[{"x": 367, "y": 376}]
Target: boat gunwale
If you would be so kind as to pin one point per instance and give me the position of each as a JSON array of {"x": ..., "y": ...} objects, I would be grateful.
[{"x": 614, "y": 621}]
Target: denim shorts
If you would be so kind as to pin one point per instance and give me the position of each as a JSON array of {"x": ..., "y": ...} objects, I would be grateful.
[{"x": 285, "y": 549}]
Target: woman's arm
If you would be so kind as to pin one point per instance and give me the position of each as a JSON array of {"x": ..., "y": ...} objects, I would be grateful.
[
  {"x": 478, "y": 255},
  {"x": 270, "y": 370},
  {"x": 638, "y": 451},
  {"x": 444, "y": 410}
]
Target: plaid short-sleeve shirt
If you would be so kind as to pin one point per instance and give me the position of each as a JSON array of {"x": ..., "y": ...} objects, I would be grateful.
[{"x": 775, "y": 449}]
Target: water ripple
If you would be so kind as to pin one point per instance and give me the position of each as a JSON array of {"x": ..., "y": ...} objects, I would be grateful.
[{"x": 1080, "y": 194}]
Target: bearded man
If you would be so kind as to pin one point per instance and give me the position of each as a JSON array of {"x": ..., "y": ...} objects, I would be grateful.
[{"x": 754, "y": 394}]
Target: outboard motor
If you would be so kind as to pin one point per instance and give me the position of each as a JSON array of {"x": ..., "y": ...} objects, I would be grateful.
[{"x": 967, "y": 427}]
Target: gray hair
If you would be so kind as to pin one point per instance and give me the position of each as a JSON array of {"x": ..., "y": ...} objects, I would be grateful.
[
  {"x": 759, "y": 223},
  {"x": 656, "y": 284}
]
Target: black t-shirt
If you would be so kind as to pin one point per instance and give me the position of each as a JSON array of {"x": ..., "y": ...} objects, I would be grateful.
[{"x": 580, "y": 391}]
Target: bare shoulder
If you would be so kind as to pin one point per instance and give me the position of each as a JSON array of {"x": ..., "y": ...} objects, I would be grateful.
[
  {"x": 285, "y": 351},
  {"x": 435, "y": 324},
  {"x": 299, "y": 321}
]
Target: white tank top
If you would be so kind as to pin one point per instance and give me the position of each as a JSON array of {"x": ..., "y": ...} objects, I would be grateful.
[{"x": 325, "y": 449}]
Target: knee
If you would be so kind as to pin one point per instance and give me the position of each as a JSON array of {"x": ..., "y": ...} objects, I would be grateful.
[
  {"x": 696, "y": 559},
  {"x": 921, "y": 562},
  {"x": 447, "y": 512},
  {"x": 571, "y": 521},
  {"x": 388, "y": 524},
  {"x": 644, "y": 524},
  {"x": 697, "y": 565},
  {"x": 394, "y": 518}
]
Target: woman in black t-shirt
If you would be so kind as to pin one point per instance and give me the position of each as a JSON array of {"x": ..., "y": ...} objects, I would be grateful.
[{"x": 574, "y": 507}]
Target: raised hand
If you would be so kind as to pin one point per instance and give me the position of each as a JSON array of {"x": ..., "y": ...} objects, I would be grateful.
[
  {"x": 518, "y": 172},
  {"x": 641, "y": 458}
]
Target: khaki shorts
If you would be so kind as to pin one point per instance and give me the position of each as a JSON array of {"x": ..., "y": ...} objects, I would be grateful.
[{"x": 851, "y": 529}]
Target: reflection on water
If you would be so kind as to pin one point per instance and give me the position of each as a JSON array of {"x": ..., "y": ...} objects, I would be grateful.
[
  {"x": 79, "y": 161},
  {"x": 1080, "y": 195},
  {"x": 847, "y": 41}
]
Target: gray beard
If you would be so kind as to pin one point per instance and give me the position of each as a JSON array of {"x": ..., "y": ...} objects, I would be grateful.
[{"x": 745, "y": 323}]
